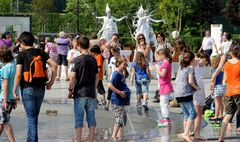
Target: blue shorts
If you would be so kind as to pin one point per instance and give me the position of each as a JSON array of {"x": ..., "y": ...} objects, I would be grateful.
[
  {"x": 219, "y": 90},
  {"x": 188, "y": 109},
  {"x": 142, "y": 86},
  {"x": 82, "y": 104}
]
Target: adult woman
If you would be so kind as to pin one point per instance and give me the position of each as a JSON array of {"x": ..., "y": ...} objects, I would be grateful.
[{"x": 143, "y": 47}]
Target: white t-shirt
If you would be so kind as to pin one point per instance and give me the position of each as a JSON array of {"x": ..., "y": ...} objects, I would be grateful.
[
  {"x": 207, "y": 43},
  {"x": 73, "y": 53},
  {"x": 226, "y": 46},
  {"x": 161, "y": 46},
  {"x": 112, "y": 64}
]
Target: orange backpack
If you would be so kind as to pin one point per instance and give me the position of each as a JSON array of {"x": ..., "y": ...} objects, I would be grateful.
[{"x": 37, "y": 71}]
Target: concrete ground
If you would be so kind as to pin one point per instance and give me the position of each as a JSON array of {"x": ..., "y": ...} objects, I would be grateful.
[{"x": 56, "y": 120}]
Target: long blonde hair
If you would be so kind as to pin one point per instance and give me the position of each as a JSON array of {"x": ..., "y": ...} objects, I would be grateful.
[{"x": 141, "y": 60}]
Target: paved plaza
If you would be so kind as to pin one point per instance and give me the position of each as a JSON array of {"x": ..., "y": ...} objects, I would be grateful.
[{"x": 56, "y": 121}]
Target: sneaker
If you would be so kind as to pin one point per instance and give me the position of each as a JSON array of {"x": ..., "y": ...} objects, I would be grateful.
[
  {"x": 164, "y": 123},
  {"x": 145, "y": 107},
  {"x": 217, "y": 123}
]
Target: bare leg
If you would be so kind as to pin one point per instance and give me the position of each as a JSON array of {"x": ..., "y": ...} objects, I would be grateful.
[
  {"x": 66, "y": 73},
  {"x": 1, "y": 129},
  {"x": 197, "y": 123},
  {"x": 78, "y": 133},
  {"x": 120, "y": 133},
  {"x": 224, "y": 126},
  {"x": 115, "y": 132},
  {"x": 9, "y": 132},
  {"x": 91, "y": 134},
  {"x": 187, "y": 130},
  {"x": 59, "y": 71}
]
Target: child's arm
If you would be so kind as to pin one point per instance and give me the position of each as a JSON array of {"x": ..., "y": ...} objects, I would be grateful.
[
  {"x": 114, "y": 89},
  {"x": 132, "y": 72},
  {"x": 161, "y": 73},
  {"x": 191, "y": 81},
  {"x": 5, "y": 92},
  {"x": 224, "y": 79},
  {"x": 109, "y": 73},
  {"x": 149, "y": 73}
]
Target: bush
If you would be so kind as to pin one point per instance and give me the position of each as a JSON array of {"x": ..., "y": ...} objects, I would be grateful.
[{"x": 194, "y": 43}]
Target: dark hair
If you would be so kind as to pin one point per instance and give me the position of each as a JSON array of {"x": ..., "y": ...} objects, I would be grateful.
[
  {"x": 167, "y": 53},
  {"x": 27, "y": 38},
  {"x": 142, "y": 36},
  {"x": 228, "y": 36},
  {"x": 141, "y": 60},
  {"x": 6, "y": 54},
  {"x": 115, "y": 49},
  {"x": 236, "y": 51},
  {"x": 161, "y": 34},
  {"x": 116, "y": 35},
  {"x": 94, "y": 35},
  {"x": 180, "y": 46},
  {"x": 204, "y": 55},
  {"x": 83, "y": 42},
  {"x": 188, "y": 56},
  {"x": 95, "y": 49}
]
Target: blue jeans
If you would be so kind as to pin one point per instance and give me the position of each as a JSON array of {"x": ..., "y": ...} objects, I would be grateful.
[
  {"x": 32, "y": 99},
  {"x": 188, "y": 109},
  {"x": 142, "y": 86},
  {"x": 82, "y": 104}
]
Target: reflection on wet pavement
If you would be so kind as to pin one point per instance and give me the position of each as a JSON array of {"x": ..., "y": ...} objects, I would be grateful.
[{"x": 56, "y": 121}]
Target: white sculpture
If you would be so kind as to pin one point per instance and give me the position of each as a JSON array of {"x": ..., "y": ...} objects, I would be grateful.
[
  {"x": 143, "y": 25},
  {"x": 109, "y": 25}
]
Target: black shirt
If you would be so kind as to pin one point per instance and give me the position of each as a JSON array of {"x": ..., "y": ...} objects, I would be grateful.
[
  {"x": 86, "y": 69},
  {"x": 24, "y": 58}
]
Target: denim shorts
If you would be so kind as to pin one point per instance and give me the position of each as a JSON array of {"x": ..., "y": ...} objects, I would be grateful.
[
  {"x": 142, "y": 86},
  {"x": 219, "y": 90},
  {"x": 188, "y": 109},
  {"x": 81, "y": 105}
]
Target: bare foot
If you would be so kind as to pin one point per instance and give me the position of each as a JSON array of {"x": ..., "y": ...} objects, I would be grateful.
[
  {"x": 114, "y": 139},
  {"x": 201, "y": 138},
  {"x": 187, "y": 138},
  {"x": 180, "y": 135}
]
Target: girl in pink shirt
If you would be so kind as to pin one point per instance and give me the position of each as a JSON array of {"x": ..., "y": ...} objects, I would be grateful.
[{"x": 165, "y": 73}]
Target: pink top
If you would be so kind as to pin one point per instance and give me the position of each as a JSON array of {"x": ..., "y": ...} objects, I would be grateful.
[{"x": 165, "y": 82}]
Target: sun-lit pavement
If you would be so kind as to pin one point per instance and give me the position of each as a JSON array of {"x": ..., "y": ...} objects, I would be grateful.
[{"x": 56, "y": 122}]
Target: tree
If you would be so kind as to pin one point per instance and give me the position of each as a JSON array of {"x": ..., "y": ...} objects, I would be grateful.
[
  {"x": 232, "y": 11},
  {"x": 5, "y": 6},
  {"x": 42, "y": 8}
]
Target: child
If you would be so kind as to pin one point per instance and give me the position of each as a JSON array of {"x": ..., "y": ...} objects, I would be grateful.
[
  {"x": 202, "y": 59},
  {"x": 185, "y": 87},
  {"x": 7, "y": 99},
  {"x": 111, "y": 68},
  {"x": 142, "y": 75},
  {"x": 73, "y": 53},
  {"x": 120, "y": 97},
  {"x": 96, "y": 51},
  {"x": 165, "y": 89},
  {"x": 231, "y": 77},
  {"x": 219, "y": 91}
]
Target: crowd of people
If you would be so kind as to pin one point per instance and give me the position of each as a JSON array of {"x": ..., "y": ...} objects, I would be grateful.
[{"x": 29, "y": 68}]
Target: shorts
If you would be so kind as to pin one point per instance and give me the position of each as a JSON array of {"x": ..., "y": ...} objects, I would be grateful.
[
  {"x": 62, "y": 60},
  {"x": 120, "y": 116},
  {"x": 109, "y": 94},
  {"x": 232, "y": 104},
  {"x": 199, "y": 97},
  {"x": 188, "y": 109},
  {"x": 5, "y": 114},
  {"x": 142, "y": 86},
  {"x": 219, "y": 90},
  {"x": 82, "y": 104},
  {"x": 100, "y": 87}
]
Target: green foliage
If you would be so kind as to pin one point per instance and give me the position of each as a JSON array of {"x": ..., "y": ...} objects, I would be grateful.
[
  {"x": 232, "y": 11},
  {"x": 193, "y": 43},
  {"x": 5, "y": 6}
]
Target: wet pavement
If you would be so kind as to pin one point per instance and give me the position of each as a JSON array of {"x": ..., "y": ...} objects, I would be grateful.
[{"x": 56, "y": 121}]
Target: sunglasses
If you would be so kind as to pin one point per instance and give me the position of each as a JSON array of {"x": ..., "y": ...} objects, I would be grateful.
[{"x": 141, "y": 38}]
